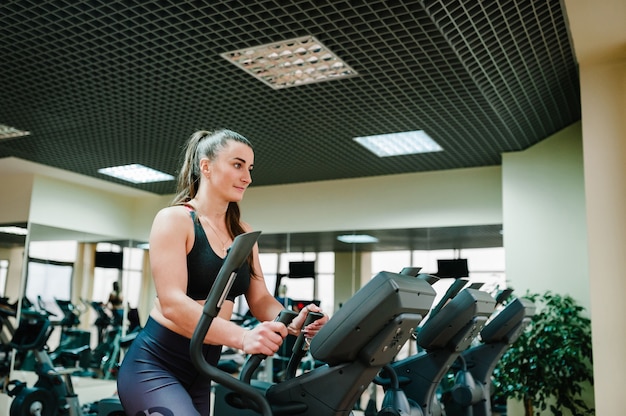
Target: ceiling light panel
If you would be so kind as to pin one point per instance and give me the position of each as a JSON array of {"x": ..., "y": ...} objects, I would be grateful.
[
  {"x": 357, "y": 238},
  {"x": 396, "y": 144},
  {"x": 290, "y": 63},
  {"x": 136, "y": 173},
  {"x": 8, "y": 132},
  {"x": 12, "y": 229}
]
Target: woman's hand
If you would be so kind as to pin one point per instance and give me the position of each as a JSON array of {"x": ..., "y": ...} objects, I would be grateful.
[
  {"x": 295, "y": 327},
  {"x": 265, "y": 338}
]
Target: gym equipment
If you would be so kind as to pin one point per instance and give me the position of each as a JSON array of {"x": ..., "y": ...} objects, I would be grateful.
[
  {"x": 442, "y": 339},
  {"x": 471, "y": 393},
  {"x": 452, "y": 291},
  {"x": 8, "y": 311},
  {"x": 71, "y": 336},
  {"x": 416, "y": 272},
  {"x": 53, "y": 393},
  {"x": 362, "y": 337},
  {"x": 105, "y": 357},
  {"x": 300, "y": 347}
]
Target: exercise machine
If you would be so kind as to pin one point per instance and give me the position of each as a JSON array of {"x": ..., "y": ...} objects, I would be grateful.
[
  {"x": 71, "y": 336},
  {"x": 8, "y": 312},
  {"x": 105, "y": 357},
  {"x": 53, "y": 393},
  {"x": 411, "y": 384},
  {"x": 470, "y": 395},
  {"x": 358, "y": 340}
]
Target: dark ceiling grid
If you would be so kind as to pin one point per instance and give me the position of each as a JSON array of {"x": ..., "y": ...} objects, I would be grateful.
[
  {"x": 447, "y": 99},
  {"x": 106, "y": 82},
  {"x": 451, "y": 28},
  {"x": 174, "y": 16},
  {"x": 532, "y": 53}
]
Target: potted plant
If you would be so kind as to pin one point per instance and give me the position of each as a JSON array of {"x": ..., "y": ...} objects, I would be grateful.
[{"x": 550, "y": 363}]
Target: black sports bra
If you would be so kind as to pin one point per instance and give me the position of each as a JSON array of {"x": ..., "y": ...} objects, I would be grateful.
[{"x": 203, "y": 265}]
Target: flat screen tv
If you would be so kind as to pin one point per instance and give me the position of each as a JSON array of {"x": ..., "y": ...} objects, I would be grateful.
[
  {"x": 301, "y": 269},
  {"x": 109, "y": 260},
  {"x": 452, "y": 268}
]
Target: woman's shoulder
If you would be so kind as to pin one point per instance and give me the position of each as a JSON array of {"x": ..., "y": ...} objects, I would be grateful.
[
  {"x": 171, "y": 223},
  {"x": 173, "y": 213}
]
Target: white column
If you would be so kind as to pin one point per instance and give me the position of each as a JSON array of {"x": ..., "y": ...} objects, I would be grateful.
[{"x": 603, "y": 89}]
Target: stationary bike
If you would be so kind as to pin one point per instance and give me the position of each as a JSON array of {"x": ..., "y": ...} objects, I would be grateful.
[{"x": 53, "y": 393}]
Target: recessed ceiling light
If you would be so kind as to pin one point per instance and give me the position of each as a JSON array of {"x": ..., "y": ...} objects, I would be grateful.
[
  {"x": 136, "y": 173},
  {"x": 14, "y": 230},
  {"x": 395, "y": 144},
  {"x": 8, "y": 132},
  {"x": 289, "y": 63},
  {"x": 357, "y": 238}
]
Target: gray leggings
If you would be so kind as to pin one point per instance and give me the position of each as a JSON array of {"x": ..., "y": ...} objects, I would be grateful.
[{"x": 157, "y": 376}]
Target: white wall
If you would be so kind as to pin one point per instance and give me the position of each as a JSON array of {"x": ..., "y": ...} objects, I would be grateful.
[
  {"x": 71, "y": 206},
  {"x": 15, "y": 193},
  {"x": 430, "y": 199},
  {"x": 544, "y": 225}
]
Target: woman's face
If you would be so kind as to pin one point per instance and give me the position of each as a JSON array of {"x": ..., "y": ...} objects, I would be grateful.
[{"x": 230, "y": 171}]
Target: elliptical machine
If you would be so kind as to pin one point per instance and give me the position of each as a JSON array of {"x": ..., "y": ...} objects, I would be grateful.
[
  {"x": 471, "y": 393},
  {"x": 411, "y": 384},
  {"x": 361, "y": 338}
]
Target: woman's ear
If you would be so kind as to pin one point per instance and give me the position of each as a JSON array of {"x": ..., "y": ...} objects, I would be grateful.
[{"x": 205, "y": 166}]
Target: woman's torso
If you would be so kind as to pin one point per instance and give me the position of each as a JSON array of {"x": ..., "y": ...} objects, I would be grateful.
[{"x": 202, "y": 267}]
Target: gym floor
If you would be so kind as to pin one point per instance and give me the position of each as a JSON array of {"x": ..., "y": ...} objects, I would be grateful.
[{"x": 88, "y": 389}]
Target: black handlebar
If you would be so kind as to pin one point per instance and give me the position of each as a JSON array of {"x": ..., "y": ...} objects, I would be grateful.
[
  {"x": 254, "y": 361},
  {"x": 237, "y": 254},
  {"x": 300, "y": 347}
]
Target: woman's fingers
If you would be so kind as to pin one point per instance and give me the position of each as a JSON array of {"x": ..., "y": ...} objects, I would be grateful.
[
  {"x": 316, "y": 325},
  {"x": 266, "y": 338}
]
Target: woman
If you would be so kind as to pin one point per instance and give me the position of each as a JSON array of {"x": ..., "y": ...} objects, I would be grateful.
[
  {"x": 116, "y": 304},
  {"x": 188, "y": 242}
]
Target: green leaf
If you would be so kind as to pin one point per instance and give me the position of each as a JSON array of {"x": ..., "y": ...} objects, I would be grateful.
[{"x": 552, "y": 357}]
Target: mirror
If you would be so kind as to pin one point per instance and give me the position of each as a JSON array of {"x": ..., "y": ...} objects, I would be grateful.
[
  {"x": 12, "y": 247},
  {"x": 88, "y": 285},
  {"x": 12, "y": 244}
]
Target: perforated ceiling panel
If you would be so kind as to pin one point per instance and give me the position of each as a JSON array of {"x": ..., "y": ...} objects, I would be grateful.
[{"x": 103, "y": 83}]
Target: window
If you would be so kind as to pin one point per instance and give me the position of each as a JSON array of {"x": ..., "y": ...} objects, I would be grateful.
[
  {"x": 105, "y": 272},
  {"x": 49, "y": 273},
  {"x": 300, "y": 289},
  {"x": 486, "y": 265},
  {"x": 48, "y": 280},
  {"x": 132, "y": 274},
  {"x": 129, "y": 275}
]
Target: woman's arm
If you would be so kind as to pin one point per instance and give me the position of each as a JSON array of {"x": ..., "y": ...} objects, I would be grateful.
[
  {"x": 266, "y": 307},
  {"x": 171, "y": 238}
]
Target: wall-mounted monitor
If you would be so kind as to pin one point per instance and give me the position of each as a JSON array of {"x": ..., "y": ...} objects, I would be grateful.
[
  {"x": 452, "y": 268},
  {"x": 109, "y": 260},
  {"x": 301, "y": 269}
]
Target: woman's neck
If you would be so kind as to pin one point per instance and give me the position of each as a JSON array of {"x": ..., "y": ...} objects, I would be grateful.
[{"x": 210, "y": 209}]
